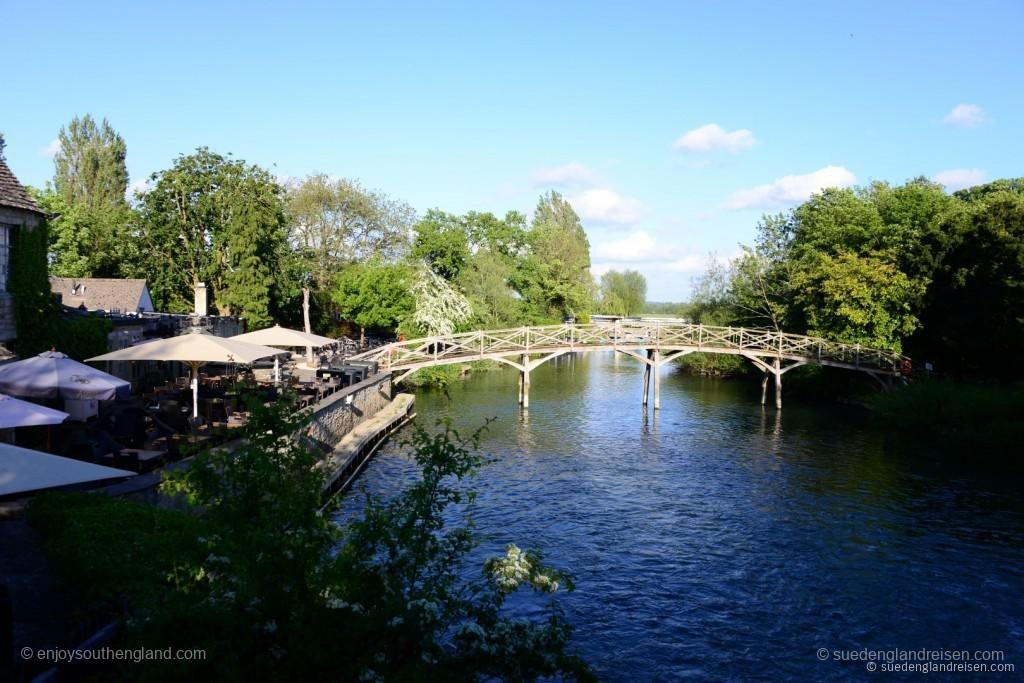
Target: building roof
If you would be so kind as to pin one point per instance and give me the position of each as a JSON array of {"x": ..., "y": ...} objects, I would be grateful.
[
  {"x": 13, "y": 194},
  {"x": 106, "y": 294}
]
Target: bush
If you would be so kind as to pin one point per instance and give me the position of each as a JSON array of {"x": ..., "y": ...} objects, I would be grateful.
[
  {"x": 714, "y": 364},
  {"x": 272, "y": 589}
]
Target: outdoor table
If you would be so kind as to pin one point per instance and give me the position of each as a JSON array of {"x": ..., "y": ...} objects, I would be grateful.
[{"x": 147, "y": 459}]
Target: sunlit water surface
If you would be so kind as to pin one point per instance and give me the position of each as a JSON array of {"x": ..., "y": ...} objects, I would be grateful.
[{"x": 719, "y": 540}]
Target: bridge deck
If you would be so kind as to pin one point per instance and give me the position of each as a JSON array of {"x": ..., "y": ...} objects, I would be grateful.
[{"x": 756, "y": 344}]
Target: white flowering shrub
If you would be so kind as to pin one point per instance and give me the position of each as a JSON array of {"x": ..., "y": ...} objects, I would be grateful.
[{"x": 439, "y": 307}]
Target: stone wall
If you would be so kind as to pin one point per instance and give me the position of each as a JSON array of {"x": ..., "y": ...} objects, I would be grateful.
[{"x": 336, "y": 415}]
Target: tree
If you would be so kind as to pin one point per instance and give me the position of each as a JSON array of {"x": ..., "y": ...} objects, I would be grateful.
[
  {"x": 858, "y": 300},
  {"x": 712, "y": 300},
  {"x": 442, "y": 242},
  {"x": 555, "y": 279},
  {"x": 623, "y": 293},
  {"x": 334, "y": 223},
  {"x": 219, "y": 221},
  {"x": 90, "y": 164},
  {"x": 486, "y": 284},
  {"x": 375, "y": 295},
  {"x": 3, "y": 146},
  {"x": 91, "y": 235},
  {"x": 973, "y": 316}
]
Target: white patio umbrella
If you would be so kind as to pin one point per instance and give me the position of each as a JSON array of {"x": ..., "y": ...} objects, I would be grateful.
[
  {"x": 284, "y": 336},
  {"x": 194, "y": 349},
  {"x": 23, "y": 470},
  {"x": 17, "y": 413},
  {"x": 51, "y": 373}
]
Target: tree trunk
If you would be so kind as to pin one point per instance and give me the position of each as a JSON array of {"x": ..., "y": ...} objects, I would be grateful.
[{"x": 305, "y": 320}]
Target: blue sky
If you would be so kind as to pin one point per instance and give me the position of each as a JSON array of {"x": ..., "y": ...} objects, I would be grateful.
[{"x": 671, "y": 126}]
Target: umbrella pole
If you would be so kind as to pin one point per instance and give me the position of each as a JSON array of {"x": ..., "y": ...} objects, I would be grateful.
[
  {"x": 195, "y": 390},
  {"x": 277, "y": 370}
]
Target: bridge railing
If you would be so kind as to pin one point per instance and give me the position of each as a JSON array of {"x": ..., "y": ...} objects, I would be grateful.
[{"x": 655, "y": 335}]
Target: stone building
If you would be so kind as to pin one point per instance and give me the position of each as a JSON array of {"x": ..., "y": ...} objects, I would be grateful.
[{"x": 18, "y": 211}]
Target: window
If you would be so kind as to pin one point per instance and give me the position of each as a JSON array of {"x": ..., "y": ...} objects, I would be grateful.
[{"x": 5, "y": 253}]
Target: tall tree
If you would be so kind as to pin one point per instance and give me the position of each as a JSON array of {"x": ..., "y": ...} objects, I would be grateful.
[
  {"x": 3, "y": 145},
  {"x": 623, "y": 293},
  {"x": 375, "y": 295},
  {"x": 442, "y": 242},
  {"x": 555, "y": 279},
  {"x": 973, "y": 317},
  {"x": 335, "y": 222},
  {"x": 92, "y": 233},
  {"x": 90, "y": 164},
  {"x": 215, "y": 220}
]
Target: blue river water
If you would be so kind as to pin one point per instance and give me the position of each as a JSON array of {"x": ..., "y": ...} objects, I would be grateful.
[{"x": 719, "y": 540}]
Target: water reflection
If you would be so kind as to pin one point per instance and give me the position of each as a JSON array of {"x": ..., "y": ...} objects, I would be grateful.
[{"x": 719, "y": 539}]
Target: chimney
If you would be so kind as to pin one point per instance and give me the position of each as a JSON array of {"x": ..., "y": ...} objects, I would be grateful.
[{"x": 201, "y": 299}]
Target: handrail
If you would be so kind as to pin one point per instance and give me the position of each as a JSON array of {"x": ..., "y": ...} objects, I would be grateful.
[{"x": 479, "y": 344}]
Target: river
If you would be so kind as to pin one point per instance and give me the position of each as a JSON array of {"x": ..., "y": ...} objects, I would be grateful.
[{"x": 721, "y": 540}]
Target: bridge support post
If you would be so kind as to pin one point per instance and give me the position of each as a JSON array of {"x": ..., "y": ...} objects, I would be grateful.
[
  {"x": 524, "y": 381},
  {"x": 778, "y": 383},
  {"x": 647, "y": 378},
  {"x": 764, "y": 386},
  {"x": 657, "y": 379}
]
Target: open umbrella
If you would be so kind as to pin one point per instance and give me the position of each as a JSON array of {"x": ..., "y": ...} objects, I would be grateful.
[
  {"x": 194, "y": 350},
  {"x": 17, "y": 413},
  {"x": 51, "y": 373},
  {"x": 23, "y": 470},
  {"x": 284, "y": 336}
]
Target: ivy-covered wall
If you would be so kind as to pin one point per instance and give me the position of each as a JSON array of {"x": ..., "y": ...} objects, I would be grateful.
[{"x": 37, "y": 313}]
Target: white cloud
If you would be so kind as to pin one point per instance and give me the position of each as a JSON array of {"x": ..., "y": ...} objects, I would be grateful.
[
  {"x": 639, "y": 246},
  {"x": 965, "y": 115},
  {"x": 711, "y": 137},
  {"x": 640, "y": 251},
  {"x": 573, "y": 174},
  {"x": 790, "y": 189},
  {"x": 691, "y": 263},
  {"x": 958, "y": 178},
  {"x": 603, "y": 205},
  {"x": 141, "y": 186},
  {"x": 51, "y": 149}
]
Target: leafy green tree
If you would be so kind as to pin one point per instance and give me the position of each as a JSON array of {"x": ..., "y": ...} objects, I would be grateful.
[
  {"x": 858, "y": 300},
  {"x": 215, "y": 220},
  {"x": 333, "y": 223},
  {"x": 92, "y": 234},
  {"x": 623, "y": 293},
  {"x": 486, "y": 284},
  {"x": 89, "y": 242},
  {"x": 3, "y": 146},
  {"x": 442, "y": 242},
  {"x": 90, "y": 164},
  {"x": 555, "y": 278},
  {"x": 505, "y": 237},
  {"x": 498, "y": 246},
  {"x": 910, "y": 214},
  {"x": 973, "y": 317},
  {"x": 375, "y": 295}
]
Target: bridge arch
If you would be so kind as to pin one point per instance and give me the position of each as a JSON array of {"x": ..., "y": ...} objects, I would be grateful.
[{"x": 653, "y": 343}]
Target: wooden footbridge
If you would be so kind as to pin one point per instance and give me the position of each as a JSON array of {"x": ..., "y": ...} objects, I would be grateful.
[{"x": 652, "y": 343}]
